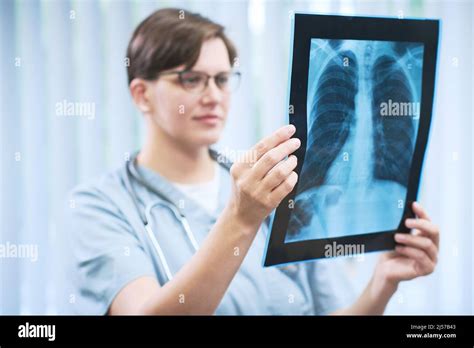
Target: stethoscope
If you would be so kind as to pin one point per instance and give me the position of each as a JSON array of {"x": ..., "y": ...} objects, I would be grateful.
[{"x": 132, "y": 172}]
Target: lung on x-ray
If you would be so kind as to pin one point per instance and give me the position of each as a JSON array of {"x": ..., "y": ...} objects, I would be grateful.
[{"x": 361, "y": 95}]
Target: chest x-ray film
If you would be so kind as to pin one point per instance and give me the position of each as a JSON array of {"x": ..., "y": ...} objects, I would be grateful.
[{"x": 361, "y": 95}]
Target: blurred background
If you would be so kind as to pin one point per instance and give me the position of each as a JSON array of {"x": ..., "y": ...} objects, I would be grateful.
[{"x": 56, "y": 52}]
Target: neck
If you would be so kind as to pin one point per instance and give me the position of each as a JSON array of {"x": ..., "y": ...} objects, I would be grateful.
[{"x": 174, "y": 160}]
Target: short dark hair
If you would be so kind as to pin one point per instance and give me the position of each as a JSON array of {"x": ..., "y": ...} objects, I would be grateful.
[{"x": 168, "y": 38}]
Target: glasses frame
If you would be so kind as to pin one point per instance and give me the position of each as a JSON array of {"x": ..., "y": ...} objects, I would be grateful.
[{"x": 180, "y": 74}]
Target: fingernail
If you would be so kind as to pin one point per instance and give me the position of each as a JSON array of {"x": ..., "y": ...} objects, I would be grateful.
[
  {"x": 409, "y": 222},
  {"x": 290, "y": 129},
  {"x": 295, "y": 142},
  {"x": 400, "y": 237}
]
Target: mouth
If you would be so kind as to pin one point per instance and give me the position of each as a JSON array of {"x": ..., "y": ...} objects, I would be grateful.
[{"x": 209, "y": 119}]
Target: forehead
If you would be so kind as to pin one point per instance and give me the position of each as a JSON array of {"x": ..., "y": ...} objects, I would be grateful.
[{"x": 213, "y": 57}]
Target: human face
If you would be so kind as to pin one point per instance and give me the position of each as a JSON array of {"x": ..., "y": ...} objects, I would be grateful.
[{"x": 193, "y": 119}]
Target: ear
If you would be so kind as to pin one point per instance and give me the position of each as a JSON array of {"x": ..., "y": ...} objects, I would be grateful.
[{"x": 140, "y": 90}]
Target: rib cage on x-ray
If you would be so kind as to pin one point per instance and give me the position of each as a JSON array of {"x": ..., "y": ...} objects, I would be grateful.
[
  {"x": 371, "y": 73},
  {"x": 393, "y": 136},
  {"x": 334, "y": 109}
]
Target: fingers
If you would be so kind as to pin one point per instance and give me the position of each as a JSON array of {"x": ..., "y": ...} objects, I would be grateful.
[
  {"x": 423, "y": 243},
  {"x": 261, "y": 148},
  {"x": 420, "y": 211},
  {"x": 273, "y": 157},
  {"x": 280, "y": 135},
  {"x": 259, "y": 187},
  {"x": 279, "y": 173},
  {"x": 423, "y": 264},
  {"x": 284, "y": 188},
  {"x": 426, "y": 228}
]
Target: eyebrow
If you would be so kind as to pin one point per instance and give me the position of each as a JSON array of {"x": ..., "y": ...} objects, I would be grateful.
[{"x": 203, "y": 72}]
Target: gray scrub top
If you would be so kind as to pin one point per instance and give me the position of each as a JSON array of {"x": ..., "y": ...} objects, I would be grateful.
[{"x": 110, "y": 248}]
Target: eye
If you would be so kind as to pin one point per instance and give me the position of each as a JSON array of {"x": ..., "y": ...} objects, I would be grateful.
[
  {"x": 191, "y": 79},
  {"x": 222, "y": 79}
]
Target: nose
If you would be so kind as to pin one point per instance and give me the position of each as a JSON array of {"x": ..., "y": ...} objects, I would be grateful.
[{"x": 212, "y": 93}]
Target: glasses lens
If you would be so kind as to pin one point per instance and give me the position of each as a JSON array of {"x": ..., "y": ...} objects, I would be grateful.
[
  {"x": 228, "y": 82},
  {"x": 193, "y": 81}
]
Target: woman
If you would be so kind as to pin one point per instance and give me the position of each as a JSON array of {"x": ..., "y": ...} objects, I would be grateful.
[{"x": 180, "y": 77}]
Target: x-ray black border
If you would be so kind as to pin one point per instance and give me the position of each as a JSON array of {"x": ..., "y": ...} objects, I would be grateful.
[{"x": 307, "y": 27}]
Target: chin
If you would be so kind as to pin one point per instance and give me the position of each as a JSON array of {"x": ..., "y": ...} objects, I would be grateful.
[{"x": 205, "y": 137}]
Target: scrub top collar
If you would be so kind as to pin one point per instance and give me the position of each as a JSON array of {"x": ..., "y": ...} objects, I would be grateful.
[{"x": 192, "y": 209}]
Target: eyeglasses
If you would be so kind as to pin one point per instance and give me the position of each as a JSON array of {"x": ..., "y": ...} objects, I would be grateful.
[{"x": 197, "y": 81}]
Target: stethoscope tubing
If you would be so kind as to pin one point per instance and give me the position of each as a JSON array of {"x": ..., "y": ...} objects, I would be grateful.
[{"x": 164, "y": 201}]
